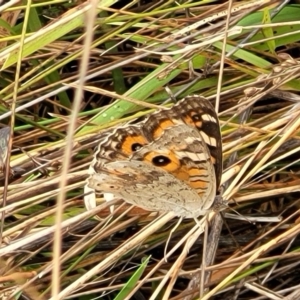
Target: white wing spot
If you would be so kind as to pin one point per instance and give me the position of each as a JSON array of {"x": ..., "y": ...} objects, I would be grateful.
[
  {"x": 206, "y": 117},
  {"x": 190, "y": 140},
  {"x": 209, "y": 140}
]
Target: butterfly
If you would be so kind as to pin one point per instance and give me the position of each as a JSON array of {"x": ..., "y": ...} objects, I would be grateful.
[{"x": 172, "y": 161}]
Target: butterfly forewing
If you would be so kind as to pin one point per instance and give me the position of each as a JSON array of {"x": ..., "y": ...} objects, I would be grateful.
[
  {"x": 197, "y": 112},
  {"x": 172, "y": 161},
  {"x": 204, "y": 117}
]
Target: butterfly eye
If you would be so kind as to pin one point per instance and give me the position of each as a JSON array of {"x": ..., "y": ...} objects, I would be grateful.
[
  {"x": 136, "y": 146},
  {"x": 161, "y": 161}
]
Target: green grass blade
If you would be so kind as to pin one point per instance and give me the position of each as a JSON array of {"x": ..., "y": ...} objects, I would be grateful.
[
  {"x": 69, "y": 21},
  {"x": 129, "y": 286},
  {"x": 268, "y": 32}
]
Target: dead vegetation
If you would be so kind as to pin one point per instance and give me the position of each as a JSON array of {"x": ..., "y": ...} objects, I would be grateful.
[{"x": 69, "y": 71}]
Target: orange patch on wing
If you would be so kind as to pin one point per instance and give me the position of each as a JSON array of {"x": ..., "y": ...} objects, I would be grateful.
[
  {"x": 188, "y": 120},
  {"x": 129, "y": 141},
  {"x": 199, "y": 185},
  {"x": 185, "y": 174},
  {"x": 164, "y": 124},
  {"x": 198, "y": 124},
  {"x": 197, "y": 172},
  {"x": 182, "y": 174}
]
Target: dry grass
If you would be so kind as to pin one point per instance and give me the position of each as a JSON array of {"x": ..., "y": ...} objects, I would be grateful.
[{"x": 64, "y": 81}]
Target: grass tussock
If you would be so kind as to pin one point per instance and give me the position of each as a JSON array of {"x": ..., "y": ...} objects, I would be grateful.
[{"x": 72, "y": 70}]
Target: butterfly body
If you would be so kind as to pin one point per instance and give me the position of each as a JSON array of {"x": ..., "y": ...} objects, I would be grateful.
[{"x": 169, "y": 162}]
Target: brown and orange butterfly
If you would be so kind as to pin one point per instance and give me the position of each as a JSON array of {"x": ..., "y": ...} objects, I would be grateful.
[{"x": 172, "y": 161}]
